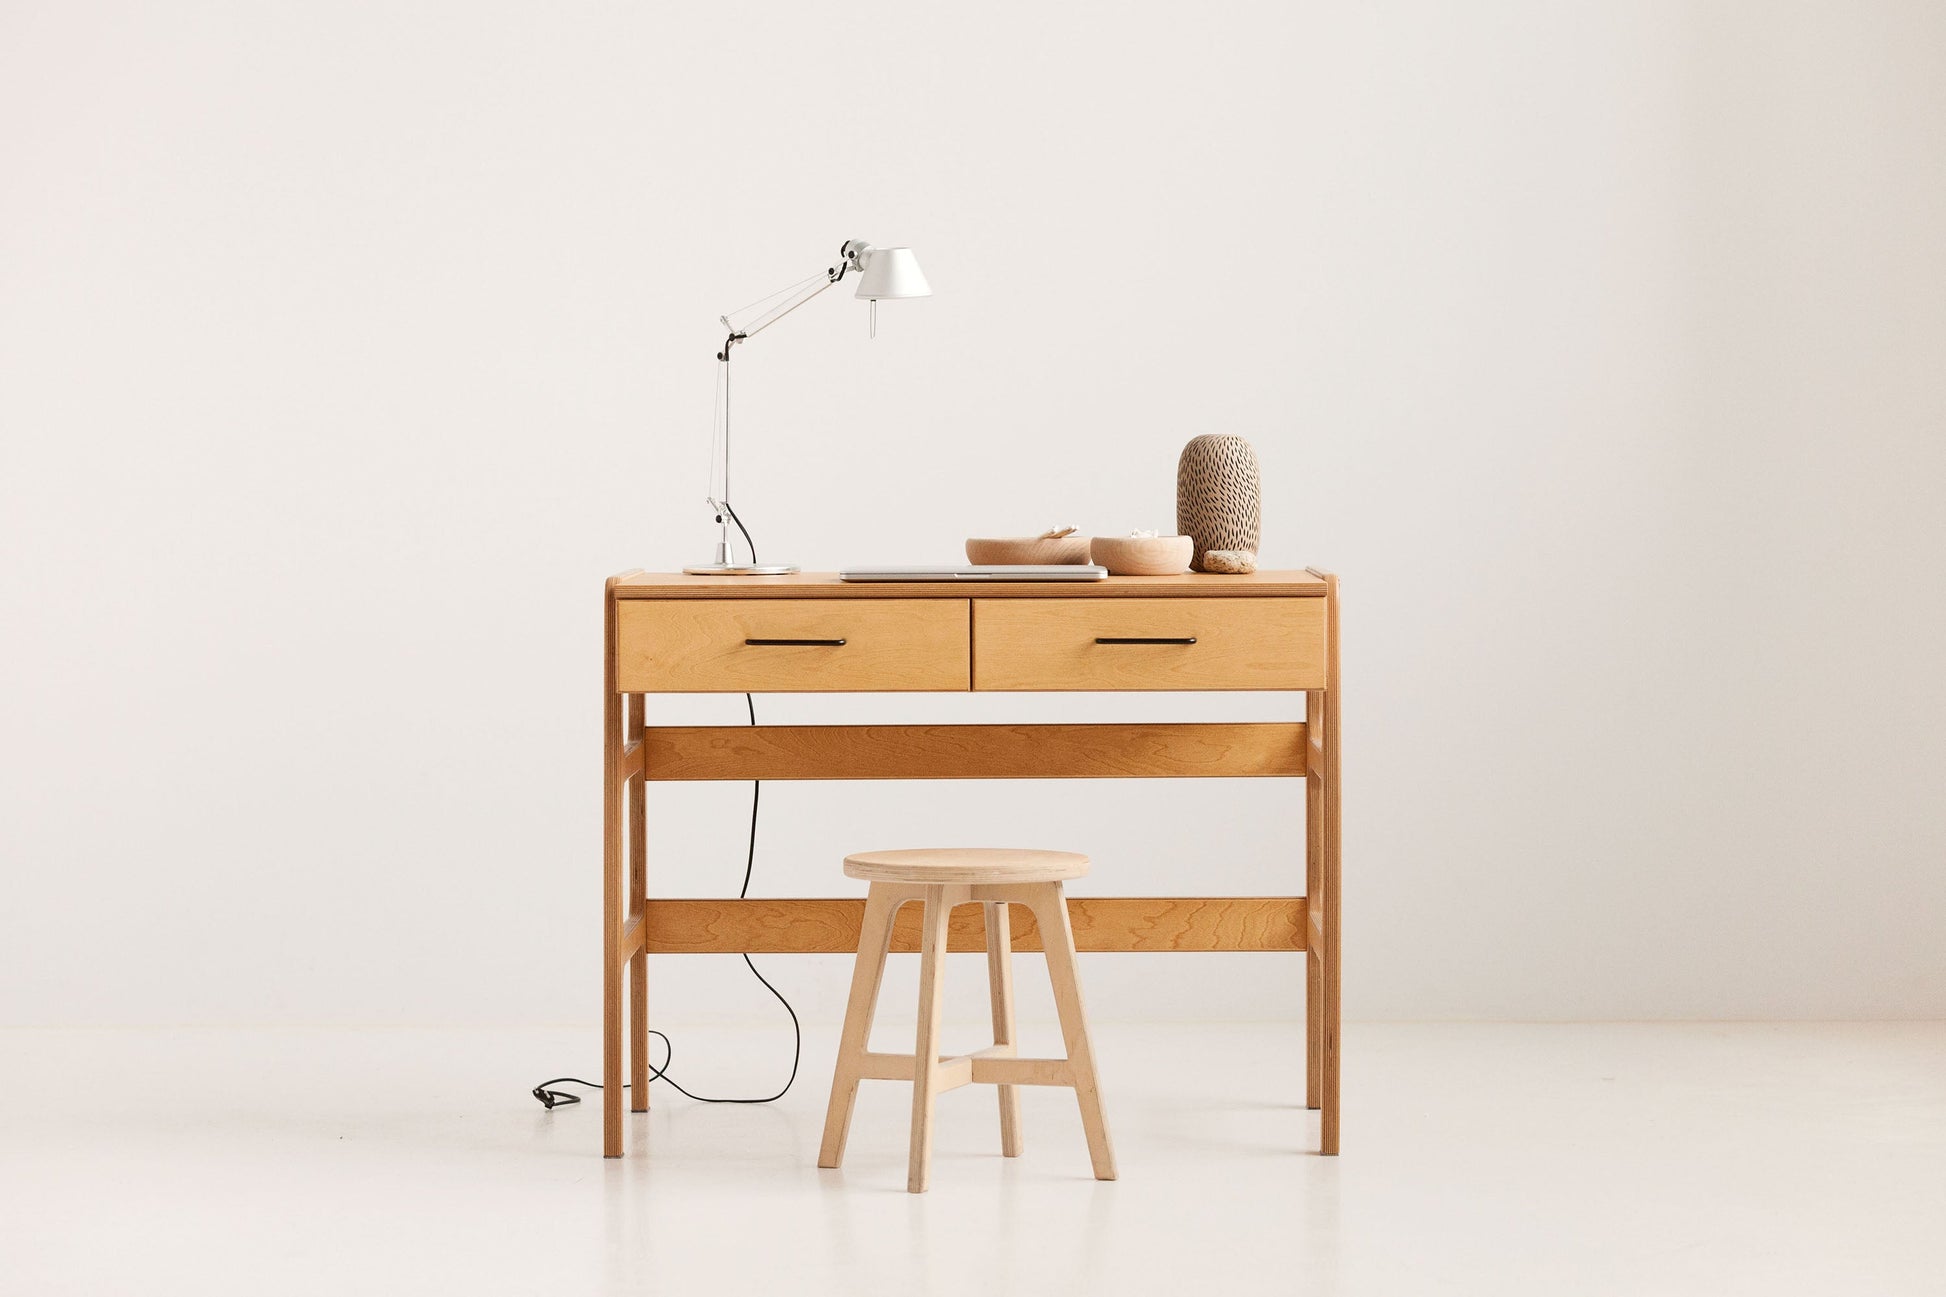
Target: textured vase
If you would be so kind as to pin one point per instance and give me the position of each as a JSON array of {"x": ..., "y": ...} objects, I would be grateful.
[{"x": 1218, "y": 489}]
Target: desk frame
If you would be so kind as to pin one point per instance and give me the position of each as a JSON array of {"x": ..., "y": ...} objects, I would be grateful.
[{"x": 634, "y": 926}]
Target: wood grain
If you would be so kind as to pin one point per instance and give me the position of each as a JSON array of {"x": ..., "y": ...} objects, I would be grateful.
[
  {"x": 927, "y": 1076},
  {"x": 631, "y": 941},
  {"x": 982, "y": 1067},
  {"x": 613, "y": 916},
  {"x": 1192, "y": 751},
  {"x": 1051, "y": 644},
  {"x": 634, "y": 720},
  {"x": 1101, "y": 923},
  {"x": 631, "y": 757},
  {"x": 867, "y": 973},
  {"x": 932, "y": 1073},
  {"x": 698, "y": 646},
  {"x": 1314, "y": 947},
  {"x": 1065, "y": 977},
  {"x": 1000, "y": 997},
  {"x": 1007, "y": 1072},
  {"x": 826, "y": 585},
  {"x": 1326, "y": 905},
  {"x": 932, "y": 866},
  {"x": 1332, "y": 918}
]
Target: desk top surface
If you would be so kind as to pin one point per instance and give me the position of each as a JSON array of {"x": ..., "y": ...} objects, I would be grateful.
[{"x": 826, "y": 585}]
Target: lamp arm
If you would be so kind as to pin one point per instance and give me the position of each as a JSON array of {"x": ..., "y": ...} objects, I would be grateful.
[
  {"x": 765, "y": 321},
  {"x": 850, "y": 256}
]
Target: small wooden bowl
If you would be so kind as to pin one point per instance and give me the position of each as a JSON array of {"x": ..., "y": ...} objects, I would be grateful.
[
  {"x": 1027, "y": 549},
  {"x": 1143, "y": 555}
]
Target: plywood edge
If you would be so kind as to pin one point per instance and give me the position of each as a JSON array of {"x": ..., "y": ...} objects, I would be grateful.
[{"x": 826, "y": 585}]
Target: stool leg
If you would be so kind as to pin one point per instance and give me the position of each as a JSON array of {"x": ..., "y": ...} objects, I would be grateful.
[
  {"x": 1000, "y": 985},
  {"x": 874, "y": 939},
  {"x": 925, "y": 1050},
  {"x": 1057, "y": 936}
]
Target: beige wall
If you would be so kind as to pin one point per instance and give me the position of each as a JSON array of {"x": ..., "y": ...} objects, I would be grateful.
[{"x": 344, "y": 350}]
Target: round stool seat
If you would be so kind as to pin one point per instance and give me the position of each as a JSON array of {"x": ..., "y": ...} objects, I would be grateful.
[{"x": 932, "y": 865}]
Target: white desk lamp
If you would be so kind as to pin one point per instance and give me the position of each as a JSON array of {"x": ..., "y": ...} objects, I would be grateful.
[{"x": 889, "y": 273}]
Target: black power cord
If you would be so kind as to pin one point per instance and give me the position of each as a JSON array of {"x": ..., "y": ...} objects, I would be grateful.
[
  {"x": 551, "y": 1098},
  {"x": 749, "y": 544}
]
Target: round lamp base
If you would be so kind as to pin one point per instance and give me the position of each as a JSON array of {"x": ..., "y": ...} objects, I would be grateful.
[{"x": 740, "y": 569}]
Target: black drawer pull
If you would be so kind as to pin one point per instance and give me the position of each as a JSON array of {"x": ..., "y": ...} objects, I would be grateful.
[
  {"x": 808, "y": 643},
  {"x": 1145, "y": 639}
]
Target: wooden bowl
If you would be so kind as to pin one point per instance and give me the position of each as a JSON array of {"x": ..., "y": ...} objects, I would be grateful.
[
  {"x": 1143, "y": 555},
  {"x": 1027, "y": 549}
]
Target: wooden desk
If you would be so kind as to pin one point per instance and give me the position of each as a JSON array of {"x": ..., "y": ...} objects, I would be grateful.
[{"x": 815, "y": 634}]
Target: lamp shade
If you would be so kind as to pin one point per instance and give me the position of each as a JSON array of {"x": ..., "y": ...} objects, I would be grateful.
[{"x": 892, "y": 273}]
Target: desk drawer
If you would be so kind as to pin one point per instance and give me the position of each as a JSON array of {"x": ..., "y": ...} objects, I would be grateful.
[
  {"x": 689, "y": 646},
  {"x": 1238, "y": 643}
]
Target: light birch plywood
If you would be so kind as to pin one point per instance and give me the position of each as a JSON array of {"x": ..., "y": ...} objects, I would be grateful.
[
  {"x": 867, "y": 974},
  {"x": 935, "y": 865},
  {"x": 801, "y": 646},
  {"x": 826, "y": 585},
  {"x": 1000, "y": 992},
  {"x": 1174, "y": 644},
  {"x": 613, "y": 916},
  {"x": 1104, "y": 924},
  {"x": 930, "y": 1073},
  {"x": 1260, "y": 749},
  {"x": 926, "y": 1078}
]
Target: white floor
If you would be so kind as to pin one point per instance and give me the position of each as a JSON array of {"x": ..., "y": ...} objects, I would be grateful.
[{"x": 1477, "y": 1159}]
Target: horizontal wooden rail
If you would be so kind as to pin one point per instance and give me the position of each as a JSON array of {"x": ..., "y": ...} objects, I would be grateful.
[
  {"x": 974, "y": 751},
  {"x": 1101, "y": 923},
  {"x": 983, "y": 1067},
  {"x": 889, "y": 1067},
  {"x": 1021, "y": 1071}
]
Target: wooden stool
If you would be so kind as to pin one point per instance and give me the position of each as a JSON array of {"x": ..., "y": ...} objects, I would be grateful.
[{"x": 942, "y": 879}]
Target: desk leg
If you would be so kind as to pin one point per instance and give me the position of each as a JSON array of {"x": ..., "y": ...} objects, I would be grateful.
[
  {"x": 638, "y": 896},
  {"x": 1314, "y": 889},
  {"x": 611, "y": 892},
  {"x": 1323, "y": 957}
]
